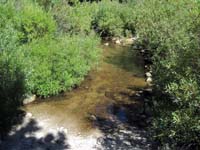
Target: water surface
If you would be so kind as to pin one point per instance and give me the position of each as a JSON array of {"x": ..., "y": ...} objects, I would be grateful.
[{"x": 110, "y": 84}]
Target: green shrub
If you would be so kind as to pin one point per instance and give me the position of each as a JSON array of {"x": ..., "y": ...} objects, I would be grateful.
[
  {"x": 47, "y": 4},
  {"x": 59, "y": 64},
  {"x": 9, "y": 38},
  {"x": 74, "y": 20},
  {"x": 169, "y": 30},
  {"x": 12, "y": 76},
  {"x": 33, "y": 22},
  {"x": 7, "y": 13},
  {"x": 113, "y": 18},
  {"x": 28, "y": 18},
  {"x": 106, "y": 17}
]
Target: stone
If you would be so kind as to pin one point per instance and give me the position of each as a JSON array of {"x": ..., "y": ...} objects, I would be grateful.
[
  {"x": 106, "y": 44},
  {"x": 29, "y": 115},
  {"x": 114, "y": 39},
  {"x": 125, "y": 131},
  {"x": 148, "y": 74},
  {"x": 149, "y": 90},
  {"x": 118, "y": 42},
  {"x": 29, "y": 99},
  {"x": 127, "y": 143},
  {"x": 149, "y": 80},
  {"x": 93, "y": 117},
  {"x": 129, "y": 41}
]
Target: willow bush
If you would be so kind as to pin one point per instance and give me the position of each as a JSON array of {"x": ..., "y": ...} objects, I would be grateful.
[
  {"x": 33, "y": 21},
  {"x": 169, "y": 30},
  {"x": 59, "y": 64},
  {"x": 12, "y": 76},
  {"x": 113, "y": 19},
  {"x": 35, "y": 59},
  {"x": 74, "y": 20}
]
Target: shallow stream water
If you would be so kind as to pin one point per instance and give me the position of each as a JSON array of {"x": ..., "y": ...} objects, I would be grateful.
[
  {"x": 119, "y": 70},
  {"x": 99, "y": 114}
]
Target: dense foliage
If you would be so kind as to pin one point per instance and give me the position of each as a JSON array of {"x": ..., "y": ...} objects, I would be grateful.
[
  {"x": 169, "y": 30},
  {"x": 114, "y": 19},
  {"x": 74, "y": 20},
  {"x": 59, "y": 64},
  {"x": 36, "y": 57},
  {"x": 48, "y": 46}
]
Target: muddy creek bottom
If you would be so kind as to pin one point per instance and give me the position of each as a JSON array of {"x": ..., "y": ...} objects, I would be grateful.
[{"x": 100, "y": 114}]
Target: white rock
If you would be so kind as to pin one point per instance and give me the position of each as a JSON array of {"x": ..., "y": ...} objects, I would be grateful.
[
  {"x": 114, "y": 39},
  {"x": 29, "y": 115},
  {"x": 29, "y": 99},
  {"x": 93, "y": 117},
  {"x": 148, "y": 74},
  {"x": 106, "y": 44},
  {"x": 127, "y": 143},
  {"x": 134, "y": 38},
  {"x": 118, "y": 42},
  {"x": 149, "y": 80}
]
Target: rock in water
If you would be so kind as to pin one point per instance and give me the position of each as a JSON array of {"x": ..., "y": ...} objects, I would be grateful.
[
  {"x": 29, "y": 99},
  {"x": 93, "y": 118},
  {"x": 29, "y": 115},
  {"x": 149, "y": 80},
  {"x": 106, "y": 44},
  {"x": 118, "y": 42},
  {"x": 148, "y": 74}
]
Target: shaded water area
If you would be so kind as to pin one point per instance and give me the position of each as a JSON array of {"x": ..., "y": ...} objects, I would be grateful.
[{"x": 104, "y": 112}]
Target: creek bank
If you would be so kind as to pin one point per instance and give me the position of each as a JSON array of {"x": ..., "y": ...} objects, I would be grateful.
[
  {"x": 105, "y": 112},
  {"x": 144, "y": 52},
  {"x": 123, "y": 41}
]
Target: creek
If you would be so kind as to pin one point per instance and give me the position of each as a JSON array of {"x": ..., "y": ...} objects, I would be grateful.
[{"x": 101, "y": 113}]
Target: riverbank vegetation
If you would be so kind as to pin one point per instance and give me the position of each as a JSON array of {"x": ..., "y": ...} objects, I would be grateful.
[
  {"x": 48, "y": 46},
  {"x": 169, "y": 30}
]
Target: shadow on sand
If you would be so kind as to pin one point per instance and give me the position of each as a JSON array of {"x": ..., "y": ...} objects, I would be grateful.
[{"x": 25, "y": 139}]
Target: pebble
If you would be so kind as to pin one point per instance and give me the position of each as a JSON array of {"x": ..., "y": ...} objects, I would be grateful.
[
  {"x": 148, "y": 74},
  {"x": 149, "y": 80},
  {"x": 127, "y": 143},
  {"x": 106, "y": 44},
  {"x": 29, "y": 115},
  {"x": 118, "y": 42},
  {"x": 93, "y": 117}
]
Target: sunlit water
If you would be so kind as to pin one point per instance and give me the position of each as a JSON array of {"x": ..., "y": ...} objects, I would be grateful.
[
  {"x": 119, "y": 69},
  {"x": 104, "y": 113}
]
